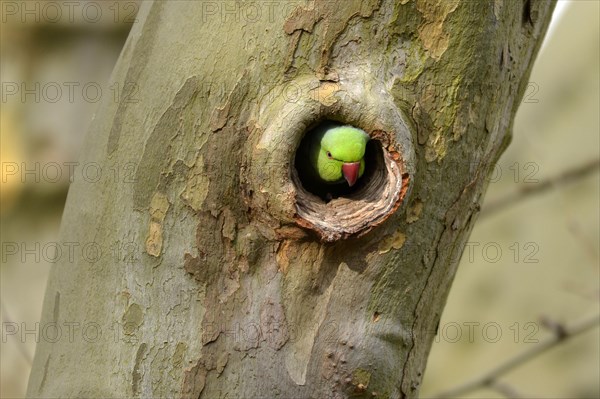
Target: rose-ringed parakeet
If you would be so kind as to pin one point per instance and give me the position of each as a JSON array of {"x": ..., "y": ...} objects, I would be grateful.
[{"x": 332, "y": 155}]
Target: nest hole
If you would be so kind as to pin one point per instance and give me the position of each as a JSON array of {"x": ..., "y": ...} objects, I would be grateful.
[
  {"x": 373, "y": 168},
  {"x": 337, "y": 211}
]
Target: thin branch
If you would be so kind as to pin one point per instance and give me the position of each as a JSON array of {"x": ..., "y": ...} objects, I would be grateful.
[
  {"x": 527, "y": 191},
  {"x": 489, "y": 378},
  {"x": 506, "y": 390}
]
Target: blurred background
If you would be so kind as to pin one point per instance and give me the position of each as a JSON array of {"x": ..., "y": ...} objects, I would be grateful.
[{"x": 531, "y": 266}]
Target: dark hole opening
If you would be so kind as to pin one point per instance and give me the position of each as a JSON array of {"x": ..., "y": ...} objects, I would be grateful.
[{"x": 313, "y": 184}]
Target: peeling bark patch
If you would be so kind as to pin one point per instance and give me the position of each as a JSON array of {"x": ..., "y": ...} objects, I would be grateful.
[
  {"x": 222, "y": 362},
  {"x": 132, "y": 319},
  {"x": 154, "y": 239},
  {"x": 177, "y": 359},
  {"x": 395, "y": 241},
  {"x": 301, "y": 19},
  {"x": 195, "y": 377},
  {"x": 158, "y": 210},
  {"x": 282, "y": 257},
  {"x": 332, "y": 20},
  {"x": 136, "y": 376},
  {"x": 218, "y": 119},
  {"x": 220, "y": 115},
  {"x": 324, "y": 94},
  {"x": 290, "y": 232},
  {"x": 159, "y": 207},
  {"x": 157, "y": 151},
  {"x": 196, "y": 188},
  {"x": 229, "y": 224},
  {"x": 431, "y": 31},
  {"x": 414, "y": 211},
  {"x": 195, "y": 266},
  {"x": 194, "y": 381},
  {"x": 230, "y": 282}
]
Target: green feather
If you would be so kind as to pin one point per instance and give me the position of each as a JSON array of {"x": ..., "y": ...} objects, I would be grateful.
[{"x": 329, "y": 147}]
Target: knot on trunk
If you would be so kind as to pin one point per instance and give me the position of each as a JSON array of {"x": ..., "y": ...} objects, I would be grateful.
[{"x": 279, "y": 194}]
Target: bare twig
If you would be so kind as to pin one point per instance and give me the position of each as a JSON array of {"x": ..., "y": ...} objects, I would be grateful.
[
  {"x": 489, "y": 378},
  {"x": 504, "y": 389},
  {"x": 527, "y": 191}
]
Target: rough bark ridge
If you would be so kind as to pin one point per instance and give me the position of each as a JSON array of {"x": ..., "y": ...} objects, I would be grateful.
[{"x": 207, "y": 286}]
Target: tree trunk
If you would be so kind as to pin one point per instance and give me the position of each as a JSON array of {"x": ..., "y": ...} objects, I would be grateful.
[{"x": 201, "y": 265}]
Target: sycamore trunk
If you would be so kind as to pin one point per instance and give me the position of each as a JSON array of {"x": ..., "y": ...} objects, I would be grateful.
[{"x": 206, "y": 270}]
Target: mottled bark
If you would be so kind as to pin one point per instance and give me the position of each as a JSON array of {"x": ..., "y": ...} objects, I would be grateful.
[{"x": 211, "y": 282}]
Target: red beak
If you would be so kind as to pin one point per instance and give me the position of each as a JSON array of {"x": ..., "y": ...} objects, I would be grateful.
[{"x": 350, "y": 171}]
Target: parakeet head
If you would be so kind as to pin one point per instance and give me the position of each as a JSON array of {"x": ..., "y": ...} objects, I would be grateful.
[{"x": 341, "y": 154}]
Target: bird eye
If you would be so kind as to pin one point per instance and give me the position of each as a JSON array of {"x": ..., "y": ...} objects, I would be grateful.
[{"x": 329, "y": 155}]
